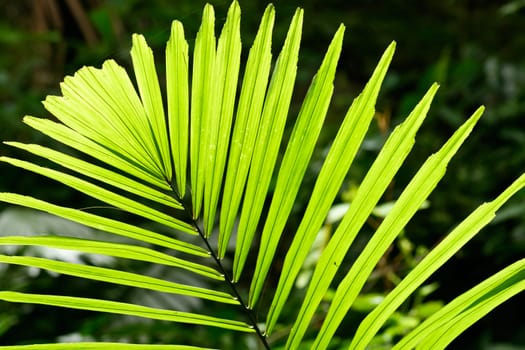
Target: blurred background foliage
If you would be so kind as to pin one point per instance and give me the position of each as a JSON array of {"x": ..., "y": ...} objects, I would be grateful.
[{"x": 475, "y": 49}]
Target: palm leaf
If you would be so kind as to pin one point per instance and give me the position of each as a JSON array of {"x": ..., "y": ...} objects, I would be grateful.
[
  {"x": 83, "y": 144},
  {"x": 271, "y": 129},
  {"x": 435, "y": 259},
  {"x": 101, "y": 345},
  {"x": 437, "y": 331},
  {"x": 201, "y": 104},
  {"x": 104, "y": 224},
  {"x": 101, "y": 174},
  {"x": 337, "y": 163},
  {"x": 113, "y": 249},
  {"x": 295, "y": 160},
  {"x": 139, "y": 163},
  {"x": 119, "y": 277},
  {"x": 177, "y": 91},
  {"x": 105, "y": 195},
  {"x": 378, "y": 178},
  {"x": 225, "y": 86},
  {"x": 246, "y": 125},
  {"x": 406, "y": 206},
  {"x": 124, "y": 309}
]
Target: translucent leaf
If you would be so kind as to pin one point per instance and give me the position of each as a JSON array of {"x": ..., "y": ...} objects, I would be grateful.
[
  {"x": 104, "y": 224},
  {"x": 294, "y": 164},
  {"x": 202, "y": 95},
  {"x": 149, "y": 88},
  {"x": 97, "y": 346},
  {"x": 328, "y": 183},
  {"x": 104, "y": 195},
  {"x": 178, "y": 101},
  {"x": 375, "y": 183},
  {"x": 435, "y": 259},
  {"x": 406, "y": 206},
  {"x": 112, "y": 249},
  {"x": 226, "y": 71},
  {"x": 81, "y": 143},
  {"x": 246, "y": 125},
  {"x": 124, "y": 309},
  {"x": 440, "y": 329},
  {"x": 119, "y": 277},
  {"x": 271, "y": 129},
  {"x": 99, "y": 173}
]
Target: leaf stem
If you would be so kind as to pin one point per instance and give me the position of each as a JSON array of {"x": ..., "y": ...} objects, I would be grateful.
[
  {"x": 233, "y": 287},
  {"x": 227, "y": 278}
]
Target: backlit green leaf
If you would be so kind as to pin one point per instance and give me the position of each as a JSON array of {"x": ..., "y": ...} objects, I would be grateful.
[
  {"x": 124, "y": 309},
  {"x": 99, "y": 173},
  {"x": 446, "y": 324},
  {"x": 104, "y": 224},
  {"x": 78, "y": 141},
  {"x": 148, "y": 85},
  {"x": 435, "y": 259},
  {"x": 97, "y": 346},
  {"x": 295, "y": 160},
  {"x": 112, "y": 249},
  {"x": 226, "y": 71},
  {"x": 245, "y": 130},
  {"x": 177, "y": 91},
  {"x": 202, "y": 95},
  {"x": 406, "y": 206},
  {"x": 104, "y": 195},
  {"x": 379, "y": 176},
  {"x": 119, "y": 277},
  {"x": 331, "y": 176}
]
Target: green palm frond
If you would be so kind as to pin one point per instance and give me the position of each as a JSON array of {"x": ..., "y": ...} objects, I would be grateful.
[
  {"x": 202, "y": 165},
  {"x": 101, "y": 345}
]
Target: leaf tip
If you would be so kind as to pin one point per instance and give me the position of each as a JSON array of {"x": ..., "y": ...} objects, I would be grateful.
[
  {"x": 235, "y": 7},
  {"x": 135, "y": 37},
  {"x": 176, "y": 26},
  {"x": 477, "y": 114},
  {"x": 340, "y": 30},
  {"x": 208, "y": 10}
]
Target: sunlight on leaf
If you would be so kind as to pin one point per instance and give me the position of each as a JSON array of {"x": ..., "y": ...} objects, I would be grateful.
[{"x": 203, "y": 179}]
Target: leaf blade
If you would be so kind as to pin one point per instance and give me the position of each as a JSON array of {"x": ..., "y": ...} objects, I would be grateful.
[
  {"x": 246, "y": 126},
  {"x": 104, "y": 195},
  {"x": 99, "y": 173},
  {"x": 329, "y": 180},
  {"x": 149, "y": 89},
  {"x": 408, "y": 203},
  {"x": 377, "y": 179},
  {"x": 226, "y": 72},
  {"x": 112, "y": 249},
  {"x": 271, "y": 128},
  {"x": 119, "y": 277},
  {"x": 124, "y": 309},
  {"x": 201, "y": 104},
  {"x": 296, "y": 158},
  {"x": 467, "y": 229},
  {"x": 104, "y": 224},
  {"x": 75, "y": 140},
  {"x": 102, "y": 105},
  {"x": 177, "y": 89},
  {"x": 99, "y": 345},
  {"x": 483, "y": 305},
  {"x": 468, "y": 307}
]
